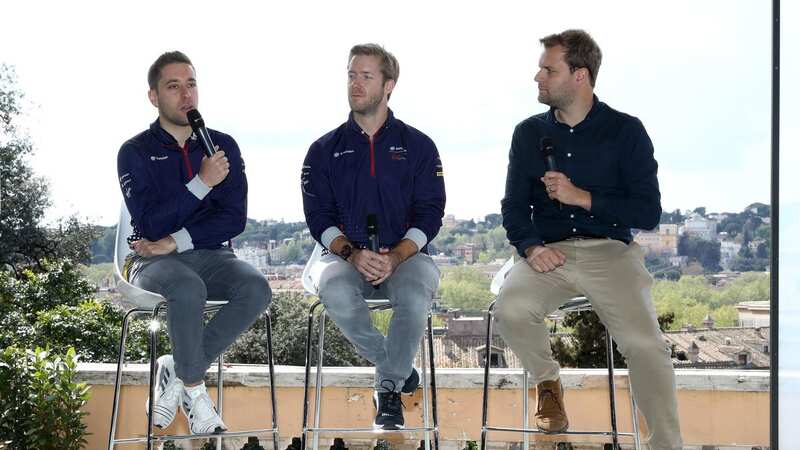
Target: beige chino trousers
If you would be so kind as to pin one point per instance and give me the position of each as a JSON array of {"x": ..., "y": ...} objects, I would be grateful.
[{"x": 612, "y": 275}]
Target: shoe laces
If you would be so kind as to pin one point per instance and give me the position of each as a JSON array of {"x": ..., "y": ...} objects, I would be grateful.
[
  {"x": 547, "y": 400},
  {"x": 390, "y": 400}
]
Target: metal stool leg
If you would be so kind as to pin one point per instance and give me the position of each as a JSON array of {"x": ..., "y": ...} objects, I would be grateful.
[
  {"x": 219, "y": 395},
  {"x": 118, "y": 380},
  {"x": 425, "y": 387},
  {"x": 433, "y": 383},
  {"x": 612, "y": 397},
  {"x": 307, "y": 382},
  {"x": 486, "y": 361},
  {"x": 526, "y": 440},
  {"x": 318, "y": 386},
  {"x": 153, "y": 328},
  {"x": 273, "y": 399}
]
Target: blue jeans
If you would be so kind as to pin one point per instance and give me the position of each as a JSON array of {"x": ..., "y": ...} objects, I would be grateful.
[
  {"x": 187, "y": 280},
  {"x": 410, "y": 290}
]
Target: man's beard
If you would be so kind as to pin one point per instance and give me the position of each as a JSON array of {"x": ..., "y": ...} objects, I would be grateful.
[
  {"x": 178, "y": 119},
  {"x": 368, "y": 107},
  {"x": 556, "y": 101}
]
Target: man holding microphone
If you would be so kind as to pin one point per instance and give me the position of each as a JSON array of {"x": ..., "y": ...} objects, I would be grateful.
[
  {"x": 376, "y": 179},
  {"x": 184, "y": 206},
  {"x": 580, "y": 176}
]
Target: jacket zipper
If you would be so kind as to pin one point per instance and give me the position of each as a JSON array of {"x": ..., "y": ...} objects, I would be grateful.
[
  {"x": 185, "y": 152},
  {"x": 371, "y": 156}
]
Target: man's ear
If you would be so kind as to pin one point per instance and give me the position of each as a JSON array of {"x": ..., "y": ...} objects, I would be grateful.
[
  {"x": 388, "y": 87},
  {"x": 153, "y": 96},
  {"x": 582, "y": 75}
]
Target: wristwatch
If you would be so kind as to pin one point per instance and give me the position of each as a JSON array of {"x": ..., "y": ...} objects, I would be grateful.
[{"x": 346, "y": 251}]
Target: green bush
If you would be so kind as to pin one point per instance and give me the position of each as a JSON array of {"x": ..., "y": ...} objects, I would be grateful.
[
  {"x": 289, "y": 321},
  {"x": 39, "y": 401}
]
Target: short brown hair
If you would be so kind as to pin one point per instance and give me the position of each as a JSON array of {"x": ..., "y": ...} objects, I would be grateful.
[
  {"x": 390, "y": 68},
  {"x": 154, "y": 74},
  {"x": 581, "y": 51}
]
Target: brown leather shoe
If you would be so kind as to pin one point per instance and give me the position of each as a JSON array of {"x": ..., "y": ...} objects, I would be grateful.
[{"x": 550, "y": 414}]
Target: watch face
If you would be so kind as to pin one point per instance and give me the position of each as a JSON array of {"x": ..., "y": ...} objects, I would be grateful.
[{"x": 346, "y": 251}]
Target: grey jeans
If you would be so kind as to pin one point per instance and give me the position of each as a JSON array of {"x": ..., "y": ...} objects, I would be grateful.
[
  {"x": 186, "y": 280},
  {"x": 409, "y": 289}
]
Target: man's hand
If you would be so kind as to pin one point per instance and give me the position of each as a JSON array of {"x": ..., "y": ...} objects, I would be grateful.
[
  {"x": 560, "y": 188},
  {"x": 544, "y": 259},
  {"x": 147, "y": 249},
  {"x": 213, "y": 170},
  {"x": 369, "y": 264},
  {"x": 404, "y": 249},
  {"x": 390, "y": 260}
]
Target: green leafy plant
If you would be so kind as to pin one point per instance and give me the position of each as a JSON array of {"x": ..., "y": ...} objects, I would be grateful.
[{"x": 40, "y": 404}]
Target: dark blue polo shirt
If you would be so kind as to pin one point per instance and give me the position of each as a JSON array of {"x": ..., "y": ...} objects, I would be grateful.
[{"x": 608, "y": 154}]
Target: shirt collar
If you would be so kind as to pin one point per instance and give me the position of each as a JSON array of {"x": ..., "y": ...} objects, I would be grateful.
[{"x": 597, "y": 106}]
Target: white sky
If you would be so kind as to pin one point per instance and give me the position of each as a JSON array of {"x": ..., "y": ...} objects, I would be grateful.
[{"x": 274, "y": 77}]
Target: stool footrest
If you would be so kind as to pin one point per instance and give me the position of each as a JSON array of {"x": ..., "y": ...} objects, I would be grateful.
[
  {"x": 568, "y": 432},
  {"x": 181, "y": 437},
  {"x": 371, "y": 430}
]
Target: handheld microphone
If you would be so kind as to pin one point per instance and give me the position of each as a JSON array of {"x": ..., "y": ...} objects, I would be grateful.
[
  {"x": 199, "y": 127},
  {"x": 372, "y": 232},
  {"x": 548, "y": 151}
]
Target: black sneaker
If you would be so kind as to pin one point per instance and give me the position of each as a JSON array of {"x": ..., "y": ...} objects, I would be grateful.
[
  {"x": 412, "y": 382},
  {"x": 389, "y": 406}
]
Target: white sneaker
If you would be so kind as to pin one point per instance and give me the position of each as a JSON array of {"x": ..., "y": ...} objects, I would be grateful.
[
  {"x": 201, "y": 412},
  {"x": 169, "y": 389}
]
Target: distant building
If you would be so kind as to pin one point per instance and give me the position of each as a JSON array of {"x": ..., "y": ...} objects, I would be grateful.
[
  {"x": 699, "y": 226},
  {"x": 727, "y": 252},
  {"x": 753, "y": 314},
  {"x": 720, "y": 348},
  {"x": 467, "y": 252},
  {"x": 449, "y": 221},
  {"x": 662, "y": 241},
  {"x": 256, "y": 257},
  {"x": 443, "y": 260}
]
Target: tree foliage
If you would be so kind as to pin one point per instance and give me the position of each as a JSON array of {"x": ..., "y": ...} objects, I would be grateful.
[
  {"x": 465, "y": 288},
  {"x": 290, "y": 320},
  {"x": 705, "y": 252},
  {"x": 26, "y": 242}
]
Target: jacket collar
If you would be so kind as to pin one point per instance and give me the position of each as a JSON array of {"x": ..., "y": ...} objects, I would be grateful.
[
  {"x": 166, "y": 139},
  {"x": 352, "y": 125}
]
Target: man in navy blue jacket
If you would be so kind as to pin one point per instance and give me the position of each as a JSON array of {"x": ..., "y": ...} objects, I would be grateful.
[
  {"x": 374, "y": 164},
  {"x": 571, "y": 226},
  {"x": 184, "y": 206}
]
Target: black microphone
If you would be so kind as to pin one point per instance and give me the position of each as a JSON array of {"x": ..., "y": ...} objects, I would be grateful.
[
  {"x": 199, "y": 127},
  {"x": 548, "y": 151},
  {"x": 372, "y": 232}
]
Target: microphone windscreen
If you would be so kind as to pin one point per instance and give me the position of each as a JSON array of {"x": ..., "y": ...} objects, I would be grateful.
[
  {"x": 372, "y": 224},
  {"x": 195, "y": 119},
  {"x": 546, "y": 144}
]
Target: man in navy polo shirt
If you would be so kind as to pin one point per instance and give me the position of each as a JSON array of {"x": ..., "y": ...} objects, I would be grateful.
[
  {"x": 184, "y": 206},
  {"x": 571, "y": 226},
  {"x": 374, "y": 164}
]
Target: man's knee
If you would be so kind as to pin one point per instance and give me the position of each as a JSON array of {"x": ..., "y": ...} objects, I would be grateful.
[
  {"x": 255, "y": 289},
  {"x": 517, "y": 306},
  {"x": 338, "y": 284},
  {"x": 649, "y": 346},
  {"x": 185, "y": 292}
]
